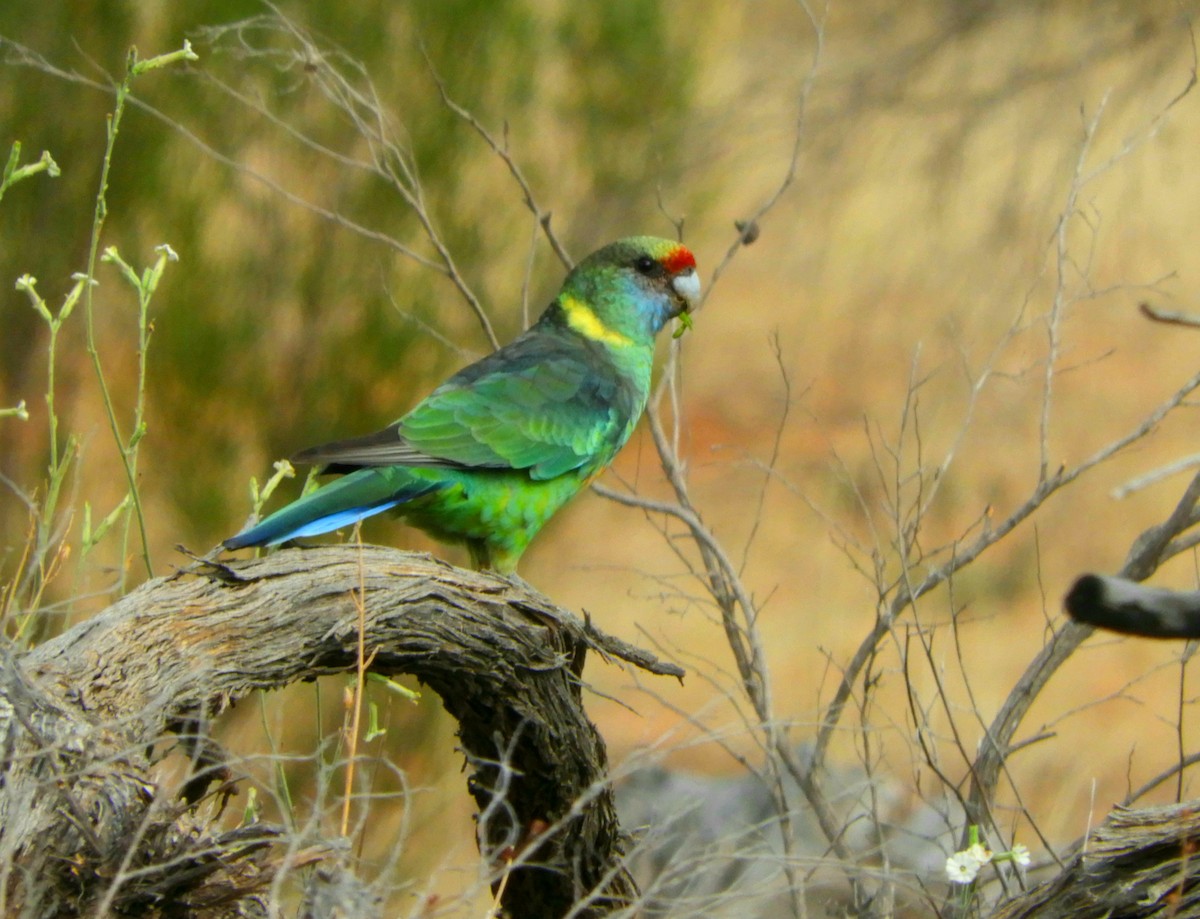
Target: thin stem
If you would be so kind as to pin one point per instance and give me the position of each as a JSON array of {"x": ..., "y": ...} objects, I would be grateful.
[
  {"x": 360, "y": 674},
  {"x": 98, "y": 218}
]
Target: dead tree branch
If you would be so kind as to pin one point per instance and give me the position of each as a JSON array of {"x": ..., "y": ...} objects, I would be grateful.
[
  {"x": 83, "y": 821},
  {"x": 1138, "y": 863}
]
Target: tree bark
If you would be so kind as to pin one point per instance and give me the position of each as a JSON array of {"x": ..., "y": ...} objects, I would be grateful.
[
  {"x": 1138, "y": 864},
  {"x": 85, "y": 829}
]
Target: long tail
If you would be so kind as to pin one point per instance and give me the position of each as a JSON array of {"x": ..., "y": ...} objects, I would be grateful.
[{"x": 340, "y": 503}]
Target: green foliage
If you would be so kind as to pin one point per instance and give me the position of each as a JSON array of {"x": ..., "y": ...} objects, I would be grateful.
[
  {"x": 632, "y": 48},
  {"x": 47, "y": 537},
  {"x": 14, "y": 173},
  {"x": 145, "y": 285}
]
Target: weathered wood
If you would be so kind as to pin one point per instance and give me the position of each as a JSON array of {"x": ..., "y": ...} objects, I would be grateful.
[
  {"x": 79, "y": 809},
  {"x": 1137, "y": 864}
]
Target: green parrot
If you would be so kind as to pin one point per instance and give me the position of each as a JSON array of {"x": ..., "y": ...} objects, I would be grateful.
[{"x": 489, "y": 456}]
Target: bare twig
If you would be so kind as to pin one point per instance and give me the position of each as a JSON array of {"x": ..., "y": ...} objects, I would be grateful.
[{"x": 501, "y": 150}]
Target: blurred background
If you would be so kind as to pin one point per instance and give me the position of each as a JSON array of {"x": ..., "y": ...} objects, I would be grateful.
[{"x": 831, "y": 371}]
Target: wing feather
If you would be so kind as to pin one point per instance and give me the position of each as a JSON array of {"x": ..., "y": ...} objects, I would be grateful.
[{"x": 544, "y": 403}]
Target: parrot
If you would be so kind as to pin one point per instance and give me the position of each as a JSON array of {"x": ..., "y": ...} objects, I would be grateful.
[{"x": 491, "y": 454}]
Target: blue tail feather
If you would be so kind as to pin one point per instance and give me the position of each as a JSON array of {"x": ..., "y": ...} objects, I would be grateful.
[
  {"x": 339, "y": 504},
  {"x": 271, "y": 533}
]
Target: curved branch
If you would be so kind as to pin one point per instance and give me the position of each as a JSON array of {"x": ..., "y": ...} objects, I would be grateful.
[{"x": 79, "y": 806}]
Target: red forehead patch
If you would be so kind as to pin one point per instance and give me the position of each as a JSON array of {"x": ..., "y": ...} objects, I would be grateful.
[{"x": 678, "y": 259}]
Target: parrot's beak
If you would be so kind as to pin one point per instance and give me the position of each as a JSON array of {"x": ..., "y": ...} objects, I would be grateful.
[{"x": 686, "y": 285}]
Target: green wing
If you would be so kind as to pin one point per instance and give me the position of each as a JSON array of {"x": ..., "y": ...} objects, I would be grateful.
[{"x": 543, "y": 403}]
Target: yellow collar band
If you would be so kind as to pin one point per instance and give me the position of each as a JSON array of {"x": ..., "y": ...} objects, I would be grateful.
[{"x": 583, "y": 320}]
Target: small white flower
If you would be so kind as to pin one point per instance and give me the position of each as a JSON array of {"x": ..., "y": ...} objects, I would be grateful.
[
  {"x": 962, "y": 868},
  {"x": 1020, "y": 855}
]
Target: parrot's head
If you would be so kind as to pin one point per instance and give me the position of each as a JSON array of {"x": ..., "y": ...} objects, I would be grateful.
[{"x": 632, "y": 288}]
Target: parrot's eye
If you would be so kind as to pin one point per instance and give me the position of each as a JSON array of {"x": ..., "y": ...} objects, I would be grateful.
[{"x": 646, "y": 265}]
